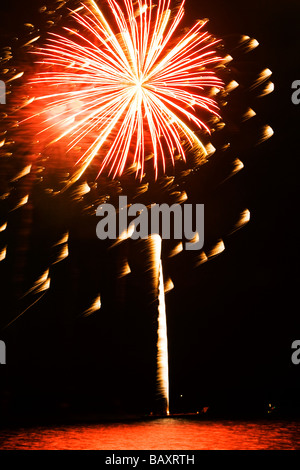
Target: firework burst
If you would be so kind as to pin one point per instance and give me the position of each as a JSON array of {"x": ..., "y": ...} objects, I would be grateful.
[{"x": 124, "y": 92}]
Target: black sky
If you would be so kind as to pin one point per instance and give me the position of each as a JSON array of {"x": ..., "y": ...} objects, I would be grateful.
[{"x": 232, "y": 320}]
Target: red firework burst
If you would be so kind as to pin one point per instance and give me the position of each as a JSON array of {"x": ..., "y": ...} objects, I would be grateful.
[{"x": 126, "y": 90}]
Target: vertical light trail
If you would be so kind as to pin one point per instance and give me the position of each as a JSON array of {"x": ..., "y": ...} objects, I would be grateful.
[
  {"x": 162, "y": 343},
  {"x": 162, "y": 376}
]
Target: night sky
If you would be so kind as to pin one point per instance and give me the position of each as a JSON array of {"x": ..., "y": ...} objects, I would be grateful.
[{"x": 231, "y": 321}]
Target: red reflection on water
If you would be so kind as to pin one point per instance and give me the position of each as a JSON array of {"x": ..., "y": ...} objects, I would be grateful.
[{"x": 160, "y": 434}]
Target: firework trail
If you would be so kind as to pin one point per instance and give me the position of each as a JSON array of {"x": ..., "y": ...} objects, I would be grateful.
[
  {"x": 162, "y": 334},
  {"x": 162, "y": 345}
]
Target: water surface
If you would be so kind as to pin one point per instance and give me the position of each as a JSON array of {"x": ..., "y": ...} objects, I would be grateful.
[{"x": 158, "y": 434}]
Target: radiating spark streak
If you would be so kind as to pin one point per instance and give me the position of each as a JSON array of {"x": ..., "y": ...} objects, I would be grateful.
[
  {"x": 270, "y": 87},
  {"x": 217, "y": 249},
  {"x": 202, "y": 259},
  {"x": 220, "y": 125},
  {"x": 237, "y": 166},
  {"x": 22, "y": 202},
  {"x": 7, "y": 154},
  {"x": 125, "y": 235},
  {"x": 15, "y": 77},
  {"x": 27, "y": 102},
  {"x": 267, "y": 132},
  {"x": 125, "y": 270},
  {"x": 132, "y": 84},
  {"x": 249, "y": 114},
  {"x": 231, "y": 86},
  {"x": 41, "y": 284},
  {"x": 63, "y": 239},
  {"x": 80, "y": 191},
  {"x": 263, "y": 76},
  {"x": 227, "y": 59},
  {"x": 24, "y": 311},
  {"x": 96, "y": 305},
  {"x": 22, "y": 173},
  {"x": 31, "y": 41},
  {"x": 252, "y": 43},
  {"x": 178, "y": 249},
  {"x": 63, "y": 254},
  {"x": 43, "y": 278},
  {"x": 210, "y": 149},
  {"x": 182, "y": 197},
  {"x": 3, "y": 227},
  {"x": 195, "y": 239},
  {"x": 243, "y": 220},
  {"x": 168, "y": 286},
  {"x": 3, "y": 254}
]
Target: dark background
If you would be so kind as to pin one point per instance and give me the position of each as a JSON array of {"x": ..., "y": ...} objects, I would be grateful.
[{"x": 231, "y": 321}]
